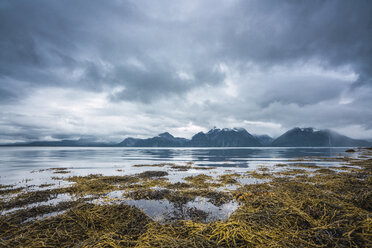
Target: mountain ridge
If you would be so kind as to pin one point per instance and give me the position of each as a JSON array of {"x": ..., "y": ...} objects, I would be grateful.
[
  {"x": 225, "y": 137},
  {"x": 310, "y": 137}
]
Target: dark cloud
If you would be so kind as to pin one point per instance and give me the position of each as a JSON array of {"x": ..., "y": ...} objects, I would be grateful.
[
  {"x": 45, "y": 42},
  {"x": 337, "y": 33},
  {"x": 162, "y": 82},
  {"x": 187, "y": 64}
]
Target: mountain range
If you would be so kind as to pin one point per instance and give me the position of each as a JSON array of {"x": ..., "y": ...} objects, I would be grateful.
[
  {"x": 226, "y": 137},
  {"x": 310, "y": 137}
]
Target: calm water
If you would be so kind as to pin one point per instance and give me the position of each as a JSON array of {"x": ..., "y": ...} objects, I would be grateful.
[{"x": 17, "y": 163}]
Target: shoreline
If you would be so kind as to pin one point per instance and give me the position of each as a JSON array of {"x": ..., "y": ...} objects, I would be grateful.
[{"x": 297, "y": 204}]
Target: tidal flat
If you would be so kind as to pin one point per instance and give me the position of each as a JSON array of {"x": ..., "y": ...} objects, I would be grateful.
[{"x": 297, "y": 204}]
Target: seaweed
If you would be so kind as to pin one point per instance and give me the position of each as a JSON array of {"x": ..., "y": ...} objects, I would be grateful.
[
  {"x": 228, "y": 178},
  {"x": 46, "y": 185},
  {"x": 296, "y": 208},
  {"x": 61, "y": 172},
  {"x": 7, "y": 191},
  {"x": 201, "y": 181},
  {"x": 151, "y": 165},
  {"x": 196, "y": 214},
  {"x": 29, "y": 197},
  {"x": 178, "y": 185},
  {"x": 188, "y": 167},
  {"x": 2, "y": 186},
  {"x": 84, "y": 225},
  {"x": 256, "y": 174},
  {"x": 350, "y": 150},
  {"x": 151, "y": 174}
]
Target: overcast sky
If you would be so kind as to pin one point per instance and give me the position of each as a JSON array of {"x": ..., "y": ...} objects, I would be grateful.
[{"x": 112, "y": 69}]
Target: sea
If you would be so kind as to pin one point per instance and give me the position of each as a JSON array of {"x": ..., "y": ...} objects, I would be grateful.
[{"x": 17, "y": 164}]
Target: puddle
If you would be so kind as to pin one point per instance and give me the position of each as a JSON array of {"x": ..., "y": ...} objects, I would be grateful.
[{"x": 199, "y": 209}]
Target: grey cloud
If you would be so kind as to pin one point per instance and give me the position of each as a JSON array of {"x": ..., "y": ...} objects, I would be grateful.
[
  {"x": 335, "y": 32},
  {"x": 305, "y": 89},
  {"x": 6, "y": 96},
  {"x": 145, "y": 85},
  {"x": 156, "y": 54},
  {"x": 43, "y": 38}
]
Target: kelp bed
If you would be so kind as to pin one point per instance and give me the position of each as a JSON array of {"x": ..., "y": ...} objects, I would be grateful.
[{"x": 301, "y": 205}]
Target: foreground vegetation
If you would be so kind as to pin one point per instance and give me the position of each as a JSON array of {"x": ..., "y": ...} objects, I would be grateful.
[{"x": 300, "y": 205}]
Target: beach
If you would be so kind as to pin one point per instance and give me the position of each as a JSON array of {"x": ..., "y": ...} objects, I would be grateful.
[{"x": 299, "y": 203}]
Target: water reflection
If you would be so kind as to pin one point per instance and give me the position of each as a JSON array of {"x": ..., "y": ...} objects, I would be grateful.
[{"x": 22, "y": 160}]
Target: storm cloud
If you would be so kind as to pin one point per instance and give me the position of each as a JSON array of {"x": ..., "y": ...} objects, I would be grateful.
[{"x": 111, "y": 69}]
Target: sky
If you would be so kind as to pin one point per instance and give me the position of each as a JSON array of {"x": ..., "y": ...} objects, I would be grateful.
[{"x": 107, "y": 70}]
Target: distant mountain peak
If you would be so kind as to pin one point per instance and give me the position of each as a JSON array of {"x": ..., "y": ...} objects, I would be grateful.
[
  {"x": 226, "y": 137},
  {"x": 305, "y": 129},
  {"x": 311, "y": 137},
  {"x": 214, "y": 130},
  {"x": 235, "y": 129},
  {"x": 166, "y": 135},
  {"x": 239, "y": 129}
]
